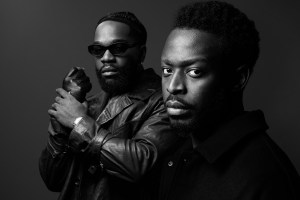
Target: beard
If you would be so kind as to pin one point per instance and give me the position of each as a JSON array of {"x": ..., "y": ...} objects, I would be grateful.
[
  {"x": 205, "y": 118},
  {"x": 117, "y": 84},
  {"x": 183, "y": 127}
]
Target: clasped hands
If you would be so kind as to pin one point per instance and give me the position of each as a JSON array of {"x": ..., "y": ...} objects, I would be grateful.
[{"x": 66, "y": 108}]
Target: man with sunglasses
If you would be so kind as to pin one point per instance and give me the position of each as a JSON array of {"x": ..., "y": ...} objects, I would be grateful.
[{"x": 116, "y": 141}]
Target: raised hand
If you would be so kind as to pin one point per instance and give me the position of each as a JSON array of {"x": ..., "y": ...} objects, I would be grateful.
[
  {"x": 75, "y": 84},
  {"x": 66, "y": 108}
]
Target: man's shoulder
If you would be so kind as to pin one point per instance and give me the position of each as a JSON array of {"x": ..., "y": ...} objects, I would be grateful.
[
  {"x": 148, "y": 84},
  {"x": 245, "y": 150},
  {"x": 258, "y": 157},
  {"x": 148, "y": 79},
  {"x": 258, "y": 163}
]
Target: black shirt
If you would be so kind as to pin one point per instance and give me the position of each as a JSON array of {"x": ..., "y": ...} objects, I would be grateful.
[{"x": 238, "y": 161}]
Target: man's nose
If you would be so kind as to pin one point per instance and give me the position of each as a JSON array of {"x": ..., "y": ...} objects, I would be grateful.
[
  {"x": 176, "y": 84},
  {"x": 107, "y": 56}
]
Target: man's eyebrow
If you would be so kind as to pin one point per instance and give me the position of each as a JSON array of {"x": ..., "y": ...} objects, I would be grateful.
[
  {"x": 166, "y": 62},
  {"x": 184, "y": 62}
]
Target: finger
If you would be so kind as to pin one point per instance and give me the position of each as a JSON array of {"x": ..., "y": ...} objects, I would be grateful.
[
  {"x": 52, "y": 112},
  {"x": 51, "y": 107},
  {"x": 58, "y": 99},
  {"x": 63, "y": 93},
  {"x": 55, "y": 106}
]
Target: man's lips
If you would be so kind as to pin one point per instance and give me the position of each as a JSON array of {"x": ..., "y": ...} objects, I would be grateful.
[
  {"x": 175, "y": 104},
  {"x": 176, "y": 108},
  {"x": 109, "y": 71}
]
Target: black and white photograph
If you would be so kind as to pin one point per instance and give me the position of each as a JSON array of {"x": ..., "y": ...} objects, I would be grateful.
[{"x": 150, "y": 100}]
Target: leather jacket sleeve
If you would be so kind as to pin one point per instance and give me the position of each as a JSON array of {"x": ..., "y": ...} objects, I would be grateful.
[
  {"x": 55, "y": 161},
  {"x": 130, "y": 158},
  {"x": 128, "y": 152}
]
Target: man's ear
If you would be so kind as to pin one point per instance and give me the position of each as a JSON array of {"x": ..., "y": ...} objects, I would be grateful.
[
  {"x": 143, "y": 51},
  {"x": 242, "y": 75}
]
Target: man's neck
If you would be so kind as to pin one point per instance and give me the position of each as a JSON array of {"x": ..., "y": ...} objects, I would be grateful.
[
  {"x": 210, "y": 124},
  {"x": 133, "y": 81}
]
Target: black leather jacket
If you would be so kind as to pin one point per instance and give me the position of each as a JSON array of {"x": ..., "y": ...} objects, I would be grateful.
[{"x": 113, "y": 153}]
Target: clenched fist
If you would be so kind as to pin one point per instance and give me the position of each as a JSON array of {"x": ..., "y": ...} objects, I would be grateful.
[
  {"x": 68, "y": 104},
  {"x": 77, "y": 83}
]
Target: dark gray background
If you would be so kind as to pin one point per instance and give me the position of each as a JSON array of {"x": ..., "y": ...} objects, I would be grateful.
[{"x": 42, "y": 40}]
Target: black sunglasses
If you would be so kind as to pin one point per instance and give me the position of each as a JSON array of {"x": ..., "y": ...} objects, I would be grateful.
[{"x": 115, "y": 49}]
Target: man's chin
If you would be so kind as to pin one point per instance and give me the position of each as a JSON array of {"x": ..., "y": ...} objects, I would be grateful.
[
  {"x": 183, "y": 127},
  {"x": 114, "y": 85}
]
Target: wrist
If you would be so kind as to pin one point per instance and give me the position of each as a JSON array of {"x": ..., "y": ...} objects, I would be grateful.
[{"x": 77, "y": 121}]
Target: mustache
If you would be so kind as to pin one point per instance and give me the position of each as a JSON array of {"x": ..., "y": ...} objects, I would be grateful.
[{"x": 183, "y": 103}]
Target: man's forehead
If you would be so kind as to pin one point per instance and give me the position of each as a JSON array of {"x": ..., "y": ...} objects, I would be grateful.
[
  {"x": 109, "y": 31},
  {"x": 190, "y": 44},
  {"x": 192, "y": 38}
]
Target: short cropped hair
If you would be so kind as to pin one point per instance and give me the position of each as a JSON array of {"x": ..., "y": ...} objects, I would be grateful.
[
  {"x": 131, "y": 20},
  {"x": 239, "y": 37}
]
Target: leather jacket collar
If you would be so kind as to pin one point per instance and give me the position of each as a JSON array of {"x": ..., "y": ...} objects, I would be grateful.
[{"x": 146, "y": 85}]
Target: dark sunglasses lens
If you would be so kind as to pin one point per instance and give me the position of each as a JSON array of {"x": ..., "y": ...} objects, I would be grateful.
[
  {"x": 117, "y": 49},
  {"x": 96, "y": 50}
]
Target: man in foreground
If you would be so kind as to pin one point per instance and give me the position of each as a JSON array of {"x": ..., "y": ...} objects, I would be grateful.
[
  {"x": 112, "y": 142},
  {"x": 206, "y": 63}
]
